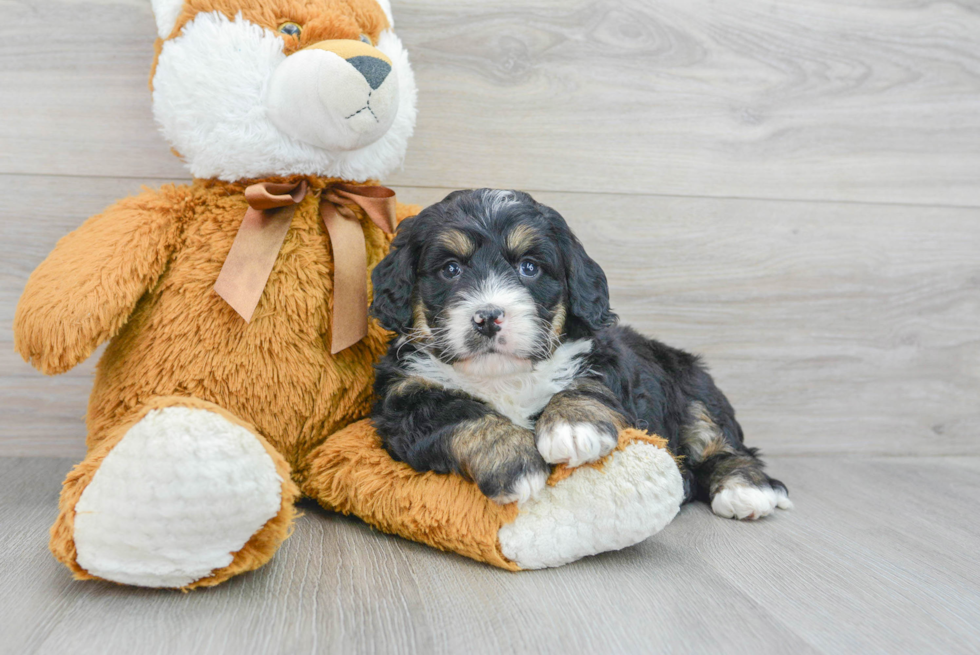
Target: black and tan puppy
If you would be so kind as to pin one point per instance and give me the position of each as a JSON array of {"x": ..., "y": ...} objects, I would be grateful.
[{"x": 508, "y": 360}]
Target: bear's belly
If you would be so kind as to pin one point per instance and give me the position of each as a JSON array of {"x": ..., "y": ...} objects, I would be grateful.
[{"x": 275, "y": 372}]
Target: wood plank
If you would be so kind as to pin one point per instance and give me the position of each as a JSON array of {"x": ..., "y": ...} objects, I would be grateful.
[
  {"x": 832, "y": 327},
  {"x": 829, "y": 100},
  {"x": 880, "y": 560},
  {"x": 877, "y": 556}
]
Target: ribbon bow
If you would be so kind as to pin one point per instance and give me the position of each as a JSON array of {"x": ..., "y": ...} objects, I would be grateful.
[{"x": 270, "y": 212}]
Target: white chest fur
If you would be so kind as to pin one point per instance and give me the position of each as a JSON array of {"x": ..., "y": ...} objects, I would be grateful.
[{"x": 517, "y": 394}]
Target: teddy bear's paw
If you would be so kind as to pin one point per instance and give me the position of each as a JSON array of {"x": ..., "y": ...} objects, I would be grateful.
[
  {"x": 575, "y": 443},
  {"x": 636, "y": 492},
  {"x": 177, "y": 497}
]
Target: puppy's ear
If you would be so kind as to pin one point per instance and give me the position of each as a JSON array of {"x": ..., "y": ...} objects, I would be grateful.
[
  {"x": 588, "y": 291},
  {"x": 394, "y": 281}
]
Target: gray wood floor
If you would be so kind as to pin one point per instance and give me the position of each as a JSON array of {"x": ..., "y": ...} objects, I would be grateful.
[
  {"x": 877, "y": 557},
  {"x": 791, "y": 189}
]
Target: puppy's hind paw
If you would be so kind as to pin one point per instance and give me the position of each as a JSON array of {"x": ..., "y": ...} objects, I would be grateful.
[
  {"x": 743, "y": 500},
  {"x": 575, "y": 443}
]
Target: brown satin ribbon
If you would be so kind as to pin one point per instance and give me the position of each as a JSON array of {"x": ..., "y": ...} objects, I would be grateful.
[{"x": 270, "y": 211}]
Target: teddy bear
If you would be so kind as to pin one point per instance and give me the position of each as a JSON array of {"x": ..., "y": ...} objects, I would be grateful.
[{"x": 238, "y": 369}]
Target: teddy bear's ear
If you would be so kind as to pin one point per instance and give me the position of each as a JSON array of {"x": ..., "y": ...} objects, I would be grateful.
[
  {"x": 166, "y": 13},
  {"x": 386, "y": 6}
]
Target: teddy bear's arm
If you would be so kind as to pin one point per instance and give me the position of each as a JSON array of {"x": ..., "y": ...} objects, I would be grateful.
[{"x": 87, "y": 287}]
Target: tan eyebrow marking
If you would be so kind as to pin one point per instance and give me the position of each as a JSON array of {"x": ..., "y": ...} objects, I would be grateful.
[
  {"x": 457, "y": 242},
  {"x": 521, "y": 238}
]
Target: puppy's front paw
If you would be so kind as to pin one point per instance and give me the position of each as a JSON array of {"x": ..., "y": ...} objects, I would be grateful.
[
  {"x": 522, "y": 489},
  {"x": 503, "y": 461},
  {"x": 575, "y": 443}
]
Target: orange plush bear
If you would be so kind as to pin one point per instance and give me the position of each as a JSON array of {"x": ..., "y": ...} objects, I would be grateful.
[{"x": 239, "y": 366}]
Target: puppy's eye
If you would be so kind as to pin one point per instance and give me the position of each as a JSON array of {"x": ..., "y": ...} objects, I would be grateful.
[
  {"x": 451, "y": 270},
  {"x": 290, "y": 29},
  {"x": 366, "y": 39},
  {"x": 527, "y": 268}
]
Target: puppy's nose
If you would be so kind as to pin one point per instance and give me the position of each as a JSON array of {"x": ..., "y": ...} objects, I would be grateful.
[
  {"x": 487, "y": 321},
  {"x": 373, "y": 69}
]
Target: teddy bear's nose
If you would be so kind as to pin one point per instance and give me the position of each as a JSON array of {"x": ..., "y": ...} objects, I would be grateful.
[{"x": 373, "y": 69}]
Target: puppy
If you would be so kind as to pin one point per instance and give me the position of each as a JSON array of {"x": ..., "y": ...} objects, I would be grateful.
[{"x": 508, "y": 360}]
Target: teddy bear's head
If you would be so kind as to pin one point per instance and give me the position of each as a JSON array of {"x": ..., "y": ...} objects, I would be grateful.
[{"x": 257, "y": 88}]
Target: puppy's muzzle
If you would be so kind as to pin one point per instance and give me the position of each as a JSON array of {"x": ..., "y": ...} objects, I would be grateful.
[
  {"x": 487, "y": 321},
  {"x": 339, "y": 94}
]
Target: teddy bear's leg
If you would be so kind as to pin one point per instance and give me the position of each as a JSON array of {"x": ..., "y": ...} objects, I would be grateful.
[
  {"x": 623, "y": 499},
  {"x": 183, "y": 494}
]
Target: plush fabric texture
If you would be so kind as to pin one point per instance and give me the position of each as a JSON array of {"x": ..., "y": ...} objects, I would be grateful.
[
  {"x": 256, "y": 552},
  {"x": 353, "y": 474},
  {"x": 213, "y": 74},
  {"x": 606, "y": 505},
  {"x": 632, "y": 495},
  {"x": 166, "y": 13},
  {"x": 142, "y": 274},
  {"x": 182, "y": 492}
]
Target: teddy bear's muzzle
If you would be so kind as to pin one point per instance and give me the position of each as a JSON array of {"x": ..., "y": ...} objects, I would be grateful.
[{"x": 335, "y": 95}]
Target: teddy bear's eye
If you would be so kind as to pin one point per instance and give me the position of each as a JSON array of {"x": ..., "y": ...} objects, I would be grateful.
[
  {"x": 290, "y": 29},
  {"x": 366, "y": 39}
]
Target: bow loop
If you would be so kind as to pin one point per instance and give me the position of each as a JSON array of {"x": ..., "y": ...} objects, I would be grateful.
[
  {"x": 256, "y": 247},
  {"x": 272, "y": 195},
  {"x": 378, "y": 202},
  {"x": 339, "y": 203}
]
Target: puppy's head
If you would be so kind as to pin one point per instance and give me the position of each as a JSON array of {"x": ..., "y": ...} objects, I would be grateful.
[{"x": 489, "y": 281}]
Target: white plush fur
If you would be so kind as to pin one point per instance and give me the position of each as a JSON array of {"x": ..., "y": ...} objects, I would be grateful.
[
  {"x": 175, "y": 499},
  {"x": 574, "y": 444},
  {"x": 518, "y": 392},
  {"x": 209, "y": 98},
  {"x": 742, "y": 500},
  {"x": 166, "y": 12},
  {"x": 636, "y": 493}
]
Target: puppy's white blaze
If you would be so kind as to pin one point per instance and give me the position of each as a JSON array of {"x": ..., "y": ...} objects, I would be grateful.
[
  {"x": 574, "y": 444},
  {"x": 519, "y": 330},
  {"x": 518, "y": 394},
  {"x": 525, "y": 488},
  {"x": 497, "y": 199},
  {"x": 209, "y": 98},
  {"x": 742, "y": 500}
]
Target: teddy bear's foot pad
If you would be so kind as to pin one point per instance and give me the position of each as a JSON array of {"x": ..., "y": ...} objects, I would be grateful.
[
  {"x": 175, "y": 499},
  {"x": 632, "y": 496}
]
